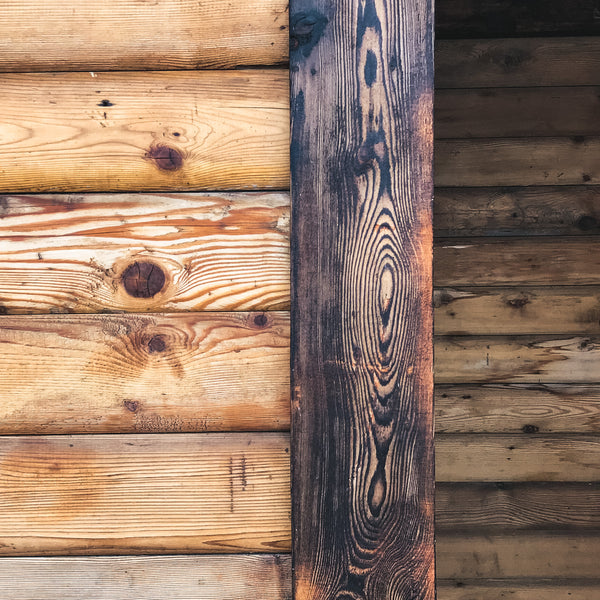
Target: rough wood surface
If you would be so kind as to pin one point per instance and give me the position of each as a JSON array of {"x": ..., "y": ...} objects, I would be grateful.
[
  {"x": 517, "y": 408},
  {"x": 362, "y": 427},
  {"x": 141, "y": 373},
  {"x": 507, "y": 18},
  {"x": 518, "y": 261},
  {"x": 498, "y": 507},
  {"x": 76, "y": 132},
  {"x": 515, "y": 112},
  {"x": 144, "y": 494},
  {"x": 540, "y": 555},
  {"x": 489, "y": 211},
  {"x": 69, "y": 253},
  {"x": 515, "y": 589},
  {"x": 526, "y": 62},
  {"x": 517, "y": 161},
  {"x": 265, "y": 576},
  {"x": 77, "y": 35},
  {"x": 517, "y": 310}
]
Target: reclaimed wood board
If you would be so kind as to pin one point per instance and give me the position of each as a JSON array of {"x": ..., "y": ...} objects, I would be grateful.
[
  {"x": 117, "y": 35},
  {"x": 529, "y": 588},
  {"x": 144, "y": 131},
  {"x": 93, "y": 253},
  {"x": 362, "y": 427},
  {"x": 144, "y": 373}
]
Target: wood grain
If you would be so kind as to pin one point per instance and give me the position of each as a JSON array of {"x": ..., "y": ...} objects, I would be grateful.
[
  {"x": 507, "y": 18},
  {"x": 517, "y": 310},
  {"x": 362, "y": 428},
  {"x": 264, "y": 576},
  {"x": 143, "y": 494},
  {"x": 515, "y": 589},
  {"x": 517, "y": 161},
  {"x": 140, "y": 373},
  {"x": 518, "y": 261},
  {"x": 525, "y": 62},
  {"x": 503, "y": 457},
  {"x": 75, "y": 35},
  {"x": 517, "y": 408},
  {"x": 515, "y": 112},
  {"x": 67, "y": 253},
  {"x": 144, "y": 131},
  {"x": 488, "y": 211},
  {"x": 500, "y": 507}
]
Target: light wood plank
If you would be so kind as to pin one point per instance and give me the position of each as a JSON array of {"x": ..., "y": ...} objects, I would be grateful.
[
  {"x": 140, "y": 373},
  {"x": 517, "y": 408},
  {"x": 527, "y": 589},
  {"x": 501, "y": 457},
  {"x": 515, "y": 112},
  {"x": 265, "y": 576},
  {"x": 500, "y": 507},
  {"x": 547, "y": 210},
  {"x": 142, "y": 494},
  {"x": 522, "y": 62},
  {"x": 517, "y": 161},
  {"x": 144, "y": 131},
  {"x": 68, "y": 253},
  {"x": 517, "y": 310},
  {"x": 514, "y": 262},
  {"x": 77, "y": 35}
]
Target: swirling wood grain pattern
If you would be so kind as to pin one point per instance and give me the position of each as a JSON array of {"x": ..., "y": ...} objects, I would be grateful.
[{"x": 362, "y": 459}]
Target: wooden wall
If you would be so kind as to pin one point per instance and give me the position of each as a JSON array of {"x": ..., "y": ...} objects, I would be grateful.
[{"x": 144, "y": 283}]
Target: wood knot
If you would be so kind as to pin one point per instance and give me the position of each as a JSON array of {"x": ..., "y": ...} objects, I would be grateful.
[
  {"x": 157, "y": 343},
  {"x": 105, "y": 103},
  {"x": 165, "y": 157},
  {"x": 131, "y": 405},
  {"x": 530, "y": 428},
  {"x": 143, "y": 279},
  {"x": 261, "y": 320},
  {"x": 519, "y": 302},
  {"x": 306, "y": 29},
  {"x": 586, "y": 223}
]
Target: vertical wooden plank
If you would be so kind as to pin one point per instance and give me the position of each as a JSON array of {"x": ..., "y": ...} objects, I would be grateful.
[{"x": 362, "y": 457}]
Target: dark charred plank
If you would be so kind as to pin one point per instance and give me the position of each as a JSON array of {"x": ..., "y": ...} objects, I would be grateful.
[{"x": 362, "y": 445}]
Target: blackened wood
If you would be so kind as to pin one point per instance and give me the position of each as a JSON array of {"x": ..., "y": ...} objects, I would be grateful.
[{"x": 362, "y": 435}]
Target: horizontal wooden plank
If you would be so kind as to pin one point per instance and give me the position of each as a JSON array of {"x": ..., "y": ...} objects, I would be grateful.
[
  {"x": 546, "y": 210},
  {"x": 507, "y": 18},
  {"x": 264, "y": 576},
  {"x": 70, "y": 253},
  {"x": 527, "y": 589},
  {"x": 517, "y": 408},
  {"x": 525, "y": 62},
  {"x": 514, "y": 112},
  {"x": 75, "y": 35},
  {"x": 539, "y": 555},
  {"x": 517, "y": 161},
  {"x": 517, "y": 359},
  {"x": 494, "y": 507},
  {"x": 142, "y": 494},
  {"x": 144, "y": 131},
  {"x": 502, "y": 457},
  {"x": 517, "y": 310},
  {"x": 141, "y": 373},
  {"x": 540, "y": 261}
]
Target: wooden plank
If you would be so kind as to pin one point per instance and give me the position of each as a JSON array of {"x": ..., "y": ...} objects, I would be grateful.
[
  {"x": 502, "y": 457},
  {"x": 517, "y": 359},
  {"x": 513, "y": 262},
  {"x": 72, "y": 253},
  {"x": 515, "y": 112},
  {"x": 264, "y": 576},
  {"x": 499, "y": 507},
  {"x": 547, "y": 210},
  {"x": 144, "y": 131},
  {"x": 507, "y": 18},
  {"x": 537, "y": 555},
  {"x": 517, "y": 310},
  {"x": 517, "y": 161},
  {"x": 517, "y": 408},
  {"x": 362, "y": 427},
  {"x": 74, "y": 35},
  {"x": 140, "y": 373},
  {"x": 528, "y": 589},
  {"x": 525, "y": 62},
  {"x": 143, "y": 494}
]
